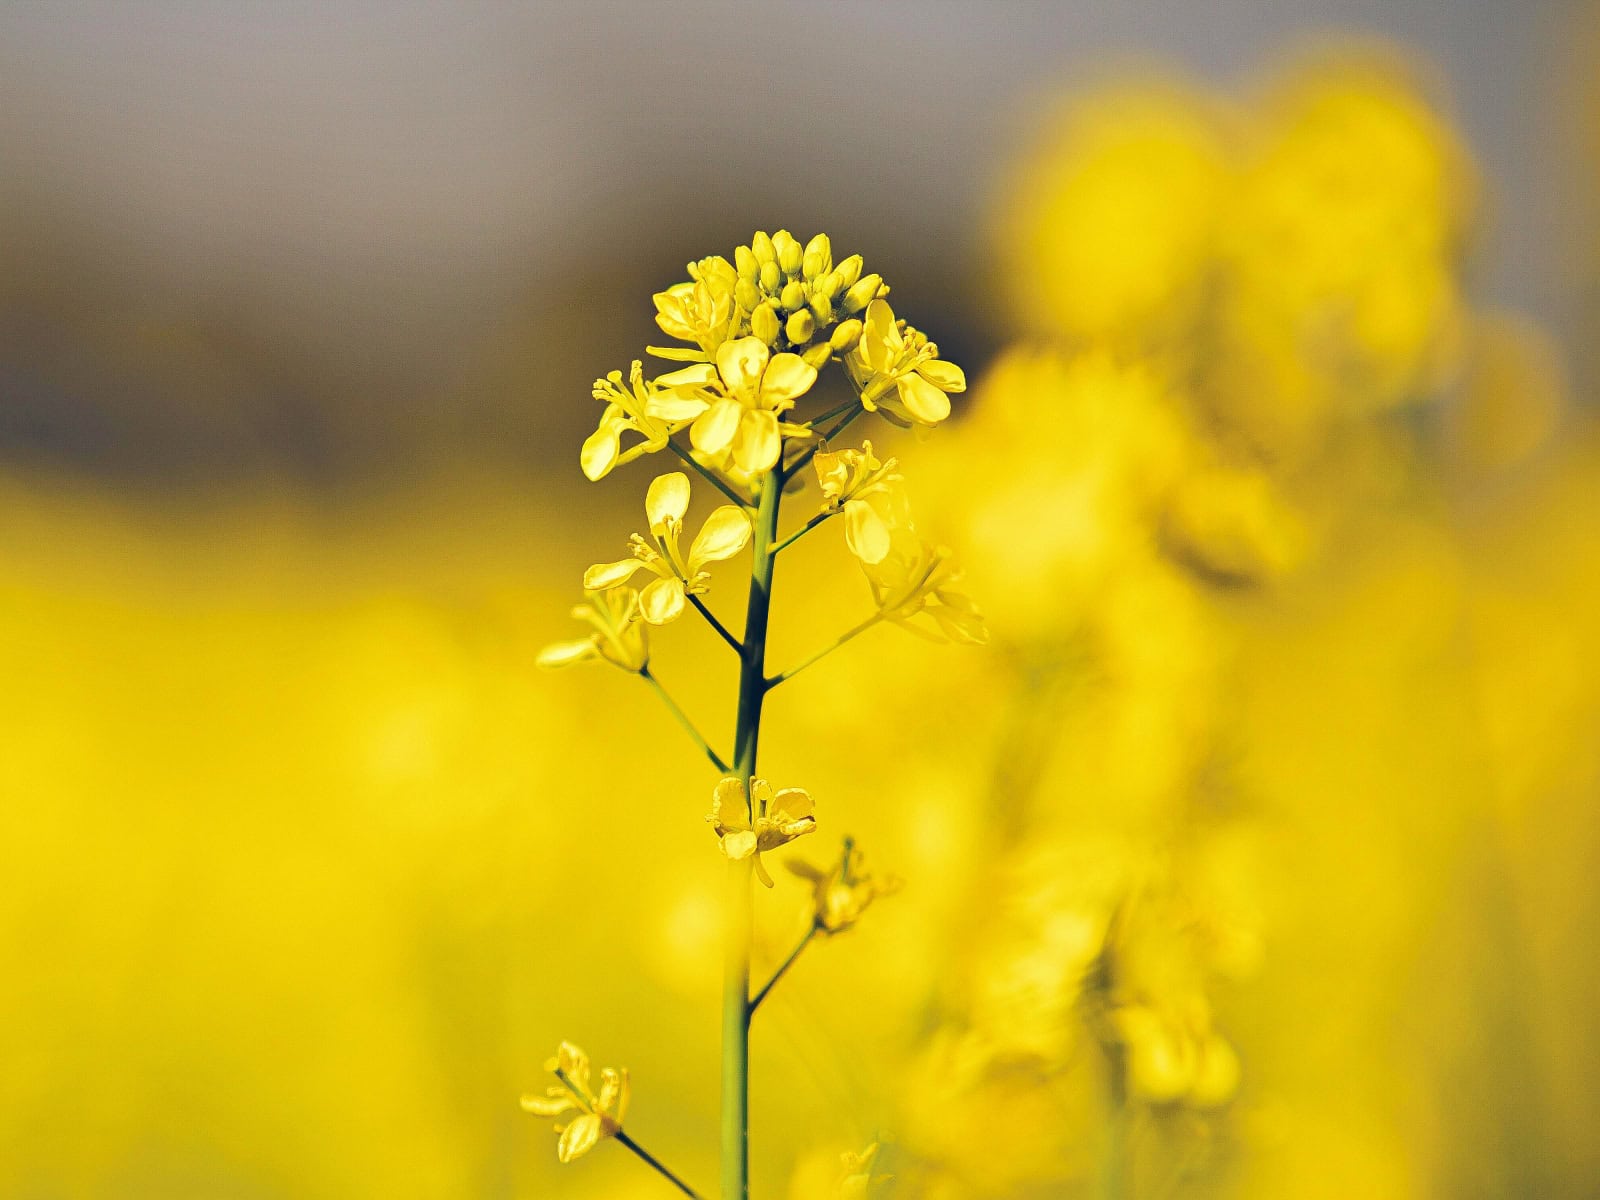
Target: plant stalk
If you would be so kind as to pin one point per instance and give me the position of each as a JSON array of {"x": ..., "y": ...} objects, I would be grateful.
[{"x": 736, "y": 963}]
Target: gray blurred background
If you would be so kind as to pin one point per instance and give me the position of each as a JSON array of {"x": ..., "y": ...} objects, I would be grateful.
[{"x": 333, "y": 242}]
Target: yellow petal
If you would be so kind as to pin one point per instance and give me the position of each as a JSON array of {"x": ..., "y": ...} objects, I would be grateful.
[
  {"x": 864, "y": 532},
  {"x": 741, "y": 843},
  {"x": 788, "y": 377},
  {"x": 613, "y": 1097},
  {"x": 548, "y": 1106},
  {"x": 945, "y": 376},
  {"x": 922, "y": 400},
  {"x": 599, "y": 453},
  {"x": 574, "y": 1063},
  {"x": 757, "y": 445},
  {"x": 564, "y": 654},
  {"x": 579, "y": 1138},
  {"x": 698, "y": 375},
  {"x": 714, "y": 430},
  {"x": 741, "y": 362},
  {"x": 728, "y": 805},
  {"x": 662, "y": 602},
  {"x": 607, "y": 575},
  {"x": 792, "y": 804},
  {"x": 672, "y": 407},
  {"x": 667, "y": 500},
  {"x": 881, "y": 342},
  {"x": 722, "y": 536}
]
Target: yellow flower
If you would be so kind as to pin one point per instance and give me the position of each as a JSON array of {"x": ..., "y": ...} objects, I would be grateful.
[
  {"x": 724, "y": 534},
  {"x": 628, "y": 409},
  {"x": 774, "y": 821},
  {"x": 918, "y": 579},
  {"x": 702, "y": 311},
  {"x": 844, "y": 891},
  {"x": 870, "y": 495},
  {"x": 899, "y": 373},
  {"x": 599, "y": 1115},
  {"x": 735, "y": 413},
  {"x": 857, "y": 1179},
  {"x": 1171, "y": 1060},
  {"x": 618, "y": 637}
]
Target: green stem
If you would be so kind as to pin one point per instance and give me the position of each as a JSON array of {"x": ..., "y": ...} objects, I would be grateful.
[
  {"x": 826, "y": 650},
  {"x": 652, "y": 1161},
  {"x": 787, "y": 963},
  {"x": 716, "y": 482},
  {"x": 683, "y": 719},
  {"x": 716, "y": 624},
  {"x": 805, "y": 529},
  {"x": 736, "y": 963}
]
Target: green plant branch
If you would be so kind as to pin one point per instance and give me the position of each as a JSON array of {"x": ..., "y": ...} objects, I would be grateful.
[
  {"x": 811, "y": 932},
  {"x": 805, "y": 529},
  {"x": 716, "y": 624},
  {"x": 826, "y": 650},
  {"x": 652, "y": 1161},
  {"x": 683, "y": 719}
]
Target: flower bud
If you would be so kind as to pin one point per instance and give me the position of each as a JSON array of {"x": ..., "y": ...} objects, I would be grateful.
[
  {"x": 816, "y": 357},
  {"x": 770, "y": 277},
  {"x": 823, "y": 249},
  {"x": 747, "y": 294},
  {"x": 764, "y": 323},
  {"x": 846, "y": 335},
  {"x": 825, "y": 287},
  {"x": 849, "y": 271},
  {"x": 800, "y": 327},
  {"x": 862, "y": 293},
  {"x": 746, "y": 263},
  {"x": 790, "y": 255},
  {"x": 761, "y": 247},
  {"x": 794, "y": 295},
  {"x": 822, "y": 309}
]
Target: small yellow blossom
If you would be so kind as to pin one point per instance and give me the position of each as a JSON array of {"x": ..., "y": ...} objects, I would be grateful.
[
  {"x": 702, "y": 311},
  {"x": 618, "y": 637},
  {"x": 918, "y": 579},
  {"x": 869, "y": 494},
  {"x": 773, "y": 821},
  {"x": 1174, "y": 1060},
  {"x": 734, "y": 415},
  {"x": 899, "y": 373},
  {"x": 857, "y": 1179},
  {"x": 844, "y": 891},
  {"x": 599, "y": 1115},
  {"x": 725, "y": 533},
  {"x": 628, "y": 409}
]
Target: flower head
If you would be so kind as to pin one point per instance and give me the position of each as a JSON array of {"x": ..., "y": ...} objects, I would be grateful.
[
  {"x": 600, "y": 1114},
  {"x": 918, "y": 579},
  {"x": 702, "y": 310},
  {"x": 869, "y": 494},
  {"x": 760, "y": 823},
  {"x": 733, "y": 415},
  {"x": 628, "y": 410},
  {"x": 724, "y": 534},
  {"x": 618, "y": 637},
  {"x": 843, "y": 892},
  {"x": 899, "y": 373}
]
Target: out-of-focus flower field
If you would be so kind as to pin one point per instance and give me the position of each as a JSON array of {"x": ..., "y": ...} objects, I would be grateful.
[{"x": 1254, "y": 857}]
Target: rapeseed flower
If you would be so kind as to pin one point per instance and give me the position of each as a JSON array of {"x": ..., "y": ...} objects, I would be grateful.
[
  {"x": 841, "y": 893},
  {"x": 868, "y": 493},
  {"x": 600, "y": 1115},
  {"x": 915, "y": 579},
  {"x": 618, "y": 637},
  {"x": 764, "y": 821},
  {"x": 725, "y": 532},
  {"x": 628, "y": 410},
  {"x": 898, "y": 371}
]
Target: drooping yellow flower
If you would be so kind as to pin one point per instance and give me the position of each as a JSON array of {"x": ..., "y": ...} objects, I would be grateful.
[
  {"x": 772, "y": 821},
  {"x": 725, "y": 533},
  {"x": 600, "y": 1115},
  {"x": 702, "y": 310},
  {"x": 628, "y": 409},
  {"x": 899, "y": 373},
  {"x": 870, "y": 495},
  {"x": 618, "y": 637},
  {"x": 734, "y": 414},
  {"x": 844, "y": 891},
  {"x": 918, "y": 579}
]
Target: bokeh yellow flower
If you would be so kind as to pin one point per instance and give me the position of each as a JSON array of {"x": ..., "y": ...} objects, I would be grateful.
[
  {"x": 599, "y": 1114},
  {"x": 619, "y": 633}
]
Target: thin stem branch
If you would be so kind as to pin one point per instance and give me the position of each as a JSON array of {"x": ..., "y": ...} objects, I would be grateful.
[
  {"x": 811, "y": 932},
  {"x": 716, "y": 624},
  {"x": 838, "y": 410},
  {"x": 805, "y": 529},
  {"x": 710, "y": 476},
  {"x": 652, "y": 1161},
  {"x": 826, "y": 650},
  {"x": 683, "y": 719}
]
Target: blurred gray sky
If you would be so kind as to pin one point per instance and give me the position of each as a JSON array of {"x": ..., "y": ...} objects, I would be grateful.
[{"x": 326, "y": 237}]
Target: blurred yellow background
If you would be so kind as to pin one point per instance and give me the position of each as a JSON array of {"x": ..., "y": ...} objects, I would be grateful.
[{"x": 1253, "y": 858}]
